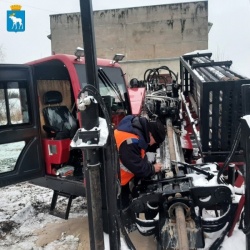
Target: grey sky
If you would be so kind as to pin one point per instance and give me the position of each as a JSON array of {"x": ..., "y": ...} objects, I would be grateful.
[{"x": 229, "y": 38}]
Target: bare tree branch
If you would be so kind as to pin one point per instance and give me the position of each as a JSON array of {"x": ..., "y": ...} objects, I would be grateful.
[{"x": 2, "y": 56}]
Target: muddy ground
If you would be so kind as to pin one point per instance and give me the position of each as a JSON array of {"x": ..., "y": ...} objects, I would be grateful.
[
  {"x": 78, "y": 227},
  {"x": 25, "y": 222}
]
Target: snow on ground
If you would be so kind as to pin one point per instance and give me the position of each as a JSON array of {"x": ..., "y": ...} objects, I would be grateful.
[
  {"x": 24, "y": 212},
  {"x": 24, "y": 217},
  {"x": 24, "y": 209}
]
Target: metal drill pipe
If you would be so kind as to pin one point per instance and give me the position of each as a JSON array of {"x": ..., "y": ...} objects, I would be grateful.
[
  {"x": 200, "y": 73},
  {"x": 216, "y": 73},
  {"x": 170, "y": 139},
  {"x": 234, "y": 73},
  {"x": 221, "y": 69},
  {"x": 213, "y": 75},
  {"x": 179, "y": 212},
  {"x": 191, "y": 120},
  {"x": 193, "y": 103},
  {"x": 207, "y": 75},
  {"x": 181, "y": 228}
]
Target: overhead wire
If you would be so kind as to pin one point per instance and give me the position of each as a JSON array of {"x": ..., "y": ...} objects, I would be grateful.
[{"x": 33, "y": 7}]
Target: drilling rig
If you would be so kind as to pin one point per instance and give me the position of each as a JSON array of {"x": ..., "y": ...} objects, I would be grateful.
[{"x": 202, "y": 114}]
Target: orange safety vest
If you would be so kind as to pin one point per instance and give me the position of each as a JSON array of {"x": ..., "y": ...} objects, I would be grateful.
[{"x": 120, "y": 137}]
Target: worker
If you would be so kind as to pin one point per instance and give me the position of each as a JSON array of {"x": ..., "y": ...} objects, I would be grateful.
[{"x": 133, "y": 136}]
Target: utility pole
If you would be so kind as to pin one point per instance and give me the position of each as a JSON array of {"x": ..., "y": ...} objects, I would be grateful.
[
  {"x": 89, "y": 120},
  {"x": 101, "y": 189}
]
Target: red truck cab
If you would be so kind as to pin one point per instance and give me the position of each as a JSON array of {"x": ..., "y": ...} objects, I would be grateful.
[{"x": 27, "y": 94}]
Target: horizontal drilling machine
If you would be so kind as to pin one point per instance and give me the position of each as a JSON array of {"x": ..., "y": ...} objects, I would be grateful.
[{"x": 200, "y": 187}]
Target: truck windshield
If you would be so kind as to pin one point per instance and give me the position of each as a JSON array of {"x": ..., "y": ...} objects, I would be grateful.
[{"x": 114, "y": 74}]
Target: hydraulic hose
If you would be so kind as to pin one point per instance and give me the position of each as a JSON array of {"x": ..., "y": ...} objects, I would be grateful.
[
  {"x": 234, "y": 146},
  {"x": 151, "y": 74}
]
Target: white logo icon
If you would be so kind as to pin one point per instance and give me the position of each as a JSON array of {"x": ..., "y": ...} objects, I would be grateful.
[{"x": 17, "y": 22}]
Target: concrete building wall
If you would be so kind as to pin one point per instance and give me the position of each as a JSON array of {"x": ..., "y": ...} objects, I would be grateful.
[{"x": 145, "y": 35}]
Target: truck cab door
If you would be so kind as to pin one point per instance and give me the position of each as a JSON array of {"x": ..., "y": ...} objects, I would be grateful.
[{"x": 20, "y": 138}]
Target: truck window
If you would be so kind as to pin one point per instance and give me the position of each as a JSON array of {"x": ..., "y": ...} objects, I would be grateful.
[
  {"x": 9, "y": 153},
  {"x": 114, "y": 74},
  {"x": 13, "y": 104},
  {"x": 13, "y": 112},
  {"x": 3, "y": 115}
]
